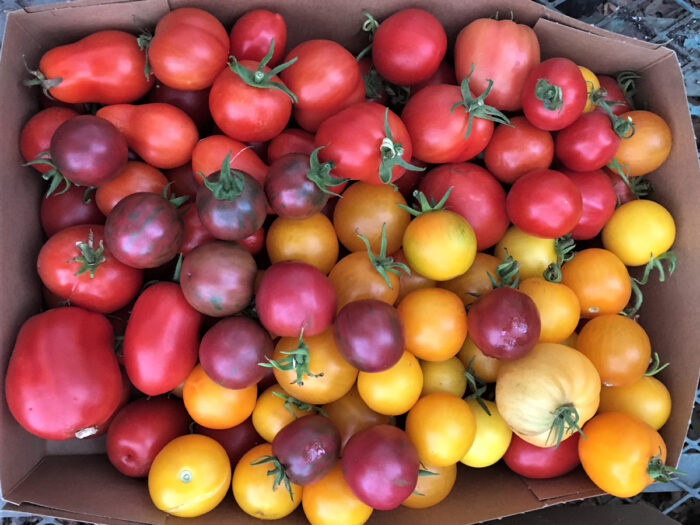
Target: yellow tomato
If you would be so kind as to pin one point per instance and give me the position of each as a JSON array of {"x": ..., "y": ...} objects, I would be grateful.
[
  {"x": 189, "y": 476},
  {"x": 638, "y": 230},
  {"x": 410, "y": 281},
  {"x": 475, "y": 280},
  {"x": 592, "y": 83},
  {"x": 492, "y": 436},
  {"x": 444, "y": 376},
  {"x": 311, "y": 240},
  {"x": 432, "y": 489},
  {"x": 393, "y": 391},
  {"x": 330, "y": 501},
  {"x": 647, "y": 398},
  {"x": 557, "y": 305},
  {"x": 442, "y": 428},
  {"x": 483, "y": 366},
  {"x": 272, "y": 413},
  {"x": 254, "y": 491},
  {"x": 533, "y": 253},
  {"x": 570, "y": 341}
]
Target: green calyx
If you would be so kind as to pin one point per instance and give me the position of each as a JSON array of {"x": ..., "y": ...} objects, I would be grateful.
[
  {"x": 391, "y": 154},
  {"x": 636, "y": 300},
  {"x": 507, "y": 273},
  {"x": 369, "y": 26},
  {"x": 655, "y": 365},
  {"x": 550, "y": 94},
  {"x": 260, "y": 79},
  {"x": 144, "y": 42},
  {"x": 297, "y": 360},
  {"x": 90, "y": 257},
  {"x": 230, "y": 183},
  {"x": 375, "y": 85},
  {"x": 623, "y": 127},
  {"x": 655, "y": 263},
  {"x": 564, "y": 248},
  {"x": 278, "y": 471},
  {"x": 476, "y": 107},
  {"x": 639, "y": 186},
  {"x": 53, "y": 176},
  {"x": 476, "y": 385},
  {"x": 423, "y": 472},
  {"x": 320, "y": 173},
  {"x": 660, "y": 472},
  {"x": 627, "y": 80},
  {"x": 566, "y": 419},
  {"x": 381, "y": 262},
  {"x": 172, "y": 197},
  {"x": 290, "y": 403},
  {"x": 39, "y": 79},
  {"x": 425, "y": 206}
]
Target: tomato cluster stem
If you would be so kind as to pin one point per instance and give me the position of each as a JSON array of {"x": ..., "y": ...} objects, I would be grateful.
[
  {"x": 476, "y": 107},
  {"x": 383, "y": 263},
  {"x": 278, "y": 471},
  {"x": 297, "y": 360}
]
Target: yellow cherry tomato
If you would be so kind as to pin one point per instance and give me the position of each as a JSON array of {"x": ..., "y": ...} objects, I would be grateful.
[
  {"x": 442, "y": 428},
  {"x": 638, "y": 230},
  {"x": 650, "y": 145},
  {"x": 492, "y": 437},
  {"x": 254, "y": 491},
  {"x": 330, "y": 501},
  {"x": 533, "y": 253},
  {"x": 272, "y": 413},
  {"x": 482, "y": 366},
  {"x": 592, "y": 83},
  {"x": 189, "y": 476},
  {"x": 444, "y": 376},
  {"x": 475, "y": 280},
  {"x": 393, "y": 391},
  {"x": 432, "y": 489},
  {"x": 647, "y": 398},
  {"x": 311, "y": 240},
  {"x": 557, "y": 305}
]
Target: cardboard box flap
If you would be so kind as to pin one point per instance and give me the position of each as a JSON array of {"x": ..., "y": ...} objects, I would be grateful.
[
  {"x": 33, "y": 510},
  {"x": 613, "y": 514},
  {"x": 570, "y": 485},
  {"x": 69, "y": 4}
]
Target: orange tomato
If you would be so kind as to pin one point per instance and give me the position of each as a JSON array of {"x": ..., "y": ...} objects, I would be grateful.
[
  {"x": 351, "y": 414},
  {"x": 272, "y": 413},
  {"x": 354, "y": 277},
  {"x": 592, "y": 83},
  {"x": 533, "y": 253},
  {"x": 210, "y": 152},
  {"x": 647, "y": 398},
  {"x": 311, "y": 240},
  {"x": 410, "y": 281},
  {"x": 134, "y": 178},
  {"x": 483, "y": 366},
  {"x": 557, "y": 305},
  {"x": 432, "y": 489},
  {"x": 444, "y": 376},
  {"x": 650, "y": 145},
  {"x": 475, "y": 280},
  {"x": 395, "y": 390},
  {"x": 330, "y": 501}
]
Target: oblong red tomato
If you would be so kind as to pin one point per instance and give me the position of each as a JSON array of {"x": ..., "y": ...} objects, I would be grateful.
[{"x": 135, "y": 177}]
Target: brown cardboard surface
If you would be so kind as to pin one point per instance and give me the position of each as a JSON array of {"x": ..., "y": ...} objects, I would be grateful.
[
  {"x": 571, "y": 484},
  {"x": 29, "y": 509}
]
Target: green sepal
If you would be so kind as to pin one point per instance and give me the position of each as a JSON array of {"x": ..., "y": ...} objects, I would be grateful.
[
  {"x": 566, "y": 419},
  {"x": 639, "y": 186},
  {"x": 391, "y": 153},
  {"x": 297, "y": 360},
  {"x": 144, "y": 42},
  {"x": 320, "y": 173},
  {"x": 90, "y": 257},
  {"x": 655, "y": 365},
  {"x": 550, "y": 94},
  {"x": 381, "y": 262},
  {"x": 53, "y": 176},
  {"x": 425, "y": 206},
  {"x": 507, "y": 273},
  {"x": 660, "y": 472},
  {"x": 290, "y": 401},
  {"x": 627, "y": 81},
  {"x": 231, "y": 182},
  {"x": 477, "y": 385},
  {"x": 564, "y": 248},
  {"x": 278, "y": 471}
]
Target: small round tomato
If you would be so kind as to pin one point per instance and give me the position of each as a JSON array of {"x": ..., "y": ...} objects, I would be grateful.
[
  {"x": 589, "y": 143},
  {"x": 311, "y": 240},
  {"x": 356, "y": 277},
  {"x": 557, "y": 305},
  {"x": 193, "y": 102},
  {"x": 534, "y": 254},
  {"x": 68, "y": 208},
  {"x": 236, "y": 440},
  {"x": 475, "y": 281},
  {"x": 435, "y": 323},
  {"x": 135, "y": 177},
  {"x": 650, "y": 145},
  {"x": 36, "y": 134},
  {"x": 592, "y": 83},
  {"x": 252, "y": 33},
  {"x": 310, "y": 119},
  {"x": 274, "y": 410},
  {"x": 330, "y": 501},
  {"x": 189, "y": 476},
  {"x": 492, "y": 436},
  {"x": 351, "y": 415},
  {"x": 410, "y": 281},
  {"x": 536, "y": 462},
  {"x": 195, "y": 232},
  {"x": 442, "y": 428},
  {"x": 599, "y": 200},
  {"x": 613, "y": 94},
  {"x": 477, "y": 363},
  {"x": 639, "y": 230},
  {"x": 646, "y": 398},
  {"x": 444, "y": 376},
  {"x": 432, "y": 487},
  {"x": 393, "y": 391},
  {"x": 291, "y": 140},
  {"x": 210, "y": 152}
]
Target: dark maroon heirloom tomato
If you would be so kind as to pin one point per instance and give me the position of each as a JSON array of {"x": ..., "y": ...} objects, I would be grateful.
[
  {"x": 195, "y": 103},
  {"x": 60, "y": 210},
  {"x": 217, "y": 278},
  {"x": 504, "y": 323},
  {"x": 252, "y": 33},
  {"x": 544, "y": 203},
  {"x": 476, "y": 195},
  {"x": 293, "y": 296},
  {"x": 308, "y": 448},
  {"x": 231, "y": 350},
  {"x": 195, "y": 232},
  {"x": 63, "y": 379},
  {"x": 88, "y": 150},
  {"x": 542, "y": 462},
  {"x": 36, "y": 134},
  {"x": 380, "y": 465},
  {"x": 370, "y": 335},
  {"x": 613, "y": 94},
  {"x": 183, "y": 181},
  {"x": 599, "y": 201},
  {"x": 588, "y": 144},
  {"x": 236, "y": 440},
  {"x": 141, "y": 429},
  {"x": 255, "y": 242}
]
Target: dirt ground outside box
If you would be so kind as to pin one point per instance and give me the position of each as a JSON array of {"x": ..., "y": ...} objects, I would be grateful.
[{"x": 63, "y": 482}]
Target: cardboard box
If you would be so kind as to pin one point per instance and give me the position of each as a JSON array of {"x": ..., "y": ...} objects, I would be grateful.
[{"x": 72, "y": 479}]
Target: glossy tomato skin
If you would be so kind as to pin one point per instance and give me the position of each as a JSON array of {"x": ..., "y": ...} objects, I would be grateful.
[
  {"x": 351, "y": 415},
  {"x": 84, "y": 77},
  {"x": 370, "y": 335},
  {"x": 63, "y": 375},
  {"x": 598, "y": 202},
  {"x": 588, "y": 144},
  {"x": 141, "y": 429},
  {"x": 188, "y": 49},
  {"x": 252, "y": 34},
  {"x": 613, "y": 94},
  {"x": 231, "y": 350},
  {"x": 63, "y": 210},
  {"x": 193, "y": 102},
  {"x": 380, "y": 464},
  {"x": 135, "y": 177},
  {"x": 236, "y": 440},
  {"x": 560, "y": 72},
  {"x": 112, "y": 285},
  {"x": 330, "y": 499},
  {"x": 144, "y": 230},
  {"x": 295, "y": 295},
  {"x": 311, "y": 240},
  {"x": 544, "y": 203},
  {"x": 183, "y": 181},
  {"x": 408, "y": 47},
  {"x": 502, "y": 51},
  {"x": 289, "y": 191},
  {"x": 542, "y": 462},
  {"x": 650, "y": 145},
  {"x": 517, "y": 149},
  {"x": 209, "y": 154},
  {"x": 157, "y": 358},
  {"x": 504, "y": 323},
  {"x": 195, "y": 233},
  {"x": 255, "y": 242},
  {"x": 291, "y": 140},
  {"x": 36, "y": 134},
  {"x": 445, "y": 74},
  {"x": 476, "y": 195}
]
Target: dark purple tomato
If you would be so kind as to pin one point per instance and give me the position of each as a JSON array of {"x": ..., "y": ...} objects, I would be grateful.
[
  {"x": 195, "y": 103},
  {"x": 380, "y": 465},
  {"x": 542, "y": 462},
  {"x": 144, "y": 230},
  {"x": 183, "y": 181},
  {"x": 599, "y": 201},
  {"x": 370, "y": 335},
  {"x": 141, "y": 429},
  {"x": 217, "y": 278},
  {"x": 236, "y": 440},
  {"x": 62, "y": 210},
  {"x": 308, "y": 448},
  {"x": 231, "y": 350},
  {"x": 504, "y": 323},
  {"x": 88, "y": 150},
  {"x": 588, "y": 144}
]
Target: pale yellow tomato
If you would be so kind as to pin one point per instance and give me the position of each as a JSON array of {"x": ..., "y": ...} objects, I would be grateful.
[
  {"x": 533, "y": 253},
  {"x": 492, "y": 436},
  {"x": 444, "y": 376}
]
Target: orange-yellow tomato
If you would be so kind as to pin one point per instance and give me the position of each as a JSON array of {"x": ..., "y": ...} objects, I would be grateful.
[
  {"x": 395, "y": 390},
  {"x": 213, "y": 406},
  {"x": 570, "y": 341},
  {"x": 272, "y": 413},
  {"x": 351, "y": 414},
  {"x": 533, "y": 253},
  {"x": 647, "y": 398},
  {"x": 410, "y": 281},
  {"x": 482, "y": 366},
  {"x": 557, "y": 305},
  {"x": 444, "y": 376},
  {"x": 475, "y": 280},
  {"x": 435, "y": 323},
  {"x": 592, "y": 83},
  {"x": 189, "y": 476},
  {"x": 330, "y": 501},
  {"x": 650, "y": 145},
  {"x": 311, "y": 240},
  {"x": 492, "y": 436},
  {"x": 432, "y": 489},
  {"x": 354, "y": 277}
]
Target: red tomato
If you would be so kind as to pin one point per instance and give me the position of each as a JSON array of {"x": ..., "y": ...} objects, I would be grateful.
[
  {"x": 252, "y": 33},
  {"x": 599, "y": 201},
  {"x": 161, "y": 339},
  {"x": 445, "y": 74},
  {"x": 408, "y": 46},
  {"x": 614, "y": 94},
  {"x": 588, "y": 144},
  {"x": 210, "y": 152},
  {"x": 183, "y": 181},
  {"x": 189, "y": 48},
  {"x": 63, "y": 379},
  {"x": 544, "y": 203},
  {"x": 255, "y": 242},
  {"x": 475, "y": 195},
  {"x": 311, "y": 119},
  {"x": 539, "y": 462},
  {"x": 516, "y": 149},
  {"x": 36, "y": 134},
  {"x": 554, "y": 94},
  {"x": 134, "y": 178},
  {"x": 193, "y": 102},
  {"x": 290, "y": 141},
  {"x": 195, "y": 232},
  {"x": 499, "y": 50},
  {"x": 64, "y": 209}
]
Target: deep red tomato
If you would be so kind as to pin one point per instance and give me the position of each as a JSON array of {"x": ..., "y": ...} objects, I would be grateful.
[
  {"x": 76, "y": 265},
  {"x": 255, "y": 242},
  {"x": 623, "y": 191},
  {"x": 408, "y": 46},
  {"x": 290, "y": 141},
  {"x": 64, "y": 209},
  {"x": 599, "y": 201},
  {"x": 311, "y": 119},
  {"x": 141, "y": 429},
  {"x": 588, "y": 144},
  {"x": 189, "y": 48},
  {"x": 554, "y": 94},
  {"x": 123, "y": 400},
  {"x": 501, "y": 51},
  {"x": 195, "y": 232},
  {"x": 209, "y": 154},
  {"x": 544, "y": 203},
  {"x": 36, "y": 134},
  {"x": 445, "y": 74},
  {"x": 516, "y": 149},
  {"x": 135, "y": 177},
  {"x": 542, "y": 462},
  {"x": 183, "y": 181},
  {"x": 161, "y": 339},
  {"x": 252, "y": 33},
  {"x": 193, "y": 102},
  {"x": 475, "y": 195},
  {"x": 236, "y": 440},
  {"x": 614, "y": 94},
  {"x": 63, "y": 379}
]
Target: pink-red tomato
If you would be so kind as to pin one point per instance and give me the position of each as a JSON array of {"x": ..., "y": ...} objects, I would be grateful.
[
  {"x": 588, "y": 144},
  {"x": 599, "y": 201},
  {"x": 64, "y": 209},
  {"x": 36, "y": 134},
  {"x": 542, "y": 462},
  {"x": 252, "y": 34}
]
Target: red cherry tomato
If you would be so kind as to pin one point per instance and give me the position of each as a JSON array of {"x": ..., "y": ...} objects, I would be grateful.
[
  {"x": 183, "y": 181},
  {"x": 209, "y": 154},
  {"x": 614, "y": 94},
  {"x": 311, "y": 119},
  {"x": 36, "y": 134},
  {"x": 588, "y": 144},
  {"x": 445, "y": 74},
  {"x": 599, "y": 201},
  {"x": 255, "y": 242},
  {"x": 539, "y": 462},
  {"x": 64, "y": 209},
  {"x": 290, "y": 141},
  {"x": 252, "y": 33}
]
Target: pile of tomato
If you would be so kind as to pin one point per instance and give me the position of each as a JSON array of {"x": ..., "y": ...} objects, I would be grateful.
[{"x": 356, "y": 272}]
